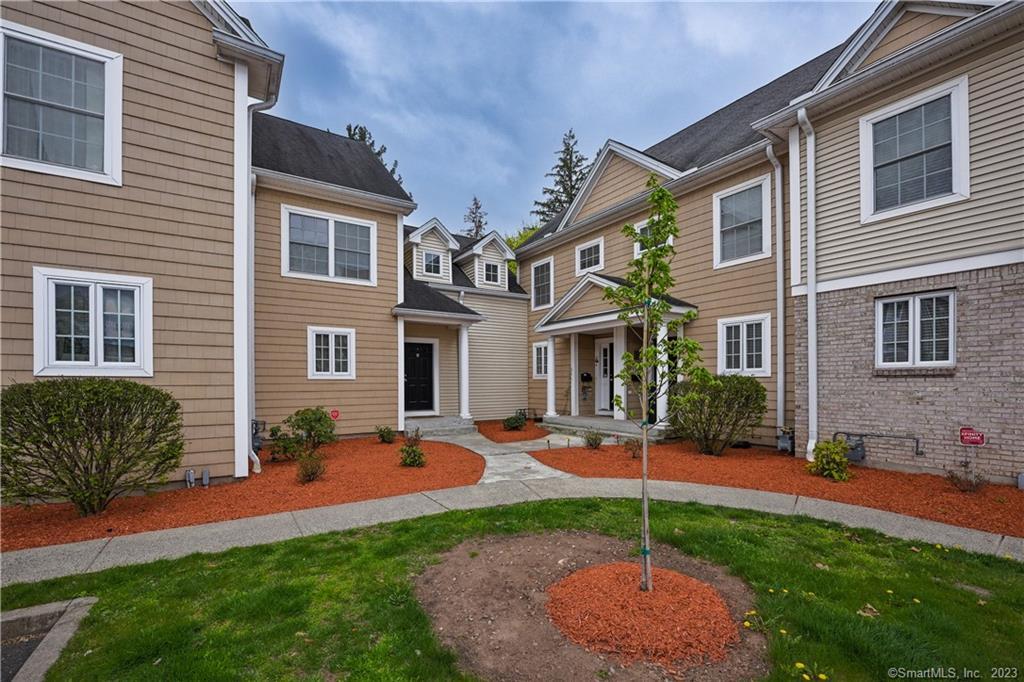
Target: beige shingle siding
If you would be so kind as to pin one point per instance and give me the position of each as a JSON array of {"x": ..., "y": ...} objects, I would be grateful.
[
  {"x": 989, "y": 222},
  {"x": 620, "y": 180},
  {"x": 908, "y": 29},
  {"x": 744, "y": 289},
  {"x": 433, "y": 242},
  {"x": 171, "y": 220},
  {"x": 286, "y": 306}
]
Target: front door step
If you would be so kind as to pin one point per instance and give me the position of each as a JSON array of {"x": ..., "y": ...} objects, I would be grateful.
[{"x": 439, "y": 426}]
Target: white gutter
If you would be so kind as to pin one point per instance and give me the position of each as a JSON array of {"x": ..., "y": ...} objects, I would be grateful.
[
  {"x": 812, "y": 283},
  {"x": 780, "y": 301}
]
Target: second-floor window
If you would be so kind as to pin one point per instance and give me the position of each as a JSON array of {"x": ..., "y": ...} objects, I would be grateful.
[
  {"x": 491, "y": 273},
  {"x": 319, "y": 245},
  {"x": 590, "y": 256},
  {"x": 61, "y": 106},
  {"x": 431, "y": 263},
  {"x": 913, "y": 154},
  {"x": 742, "y": 224},
  {"x": 642, "y": 229},
  {"x": 541, "y": 276}
]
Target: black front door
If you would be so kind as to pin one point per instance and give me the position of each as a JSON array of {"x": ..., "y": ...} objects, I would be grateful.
[{"x": 419, "y": 377}]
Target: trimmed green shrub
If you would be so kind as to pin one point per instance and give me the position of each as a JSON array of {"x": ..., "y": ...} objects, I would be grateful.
[
  {"x": 385, "y": 434},
  {"x": 413, "y": 438},
  {"x": 830, "y": 460},
  {"x": 412, "y": 455},
  {"x": 311, "y": 468},
  {"x": 634, "y": 446},
  {"x": 87, "y": 440},
  {"x": 717, "y": 411},
  {"x": 514, "y": 423},
  {"x": 592, "y": 439},
  {"x": 307, "y": 430}
]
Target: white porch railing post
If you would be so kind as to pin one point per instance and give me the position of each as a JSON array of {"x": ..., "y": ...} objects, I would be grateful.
[
  {"x": 551, "y": 378},
  {"x": 464, "y": 372},
  {"x": 619, "y": 342}
]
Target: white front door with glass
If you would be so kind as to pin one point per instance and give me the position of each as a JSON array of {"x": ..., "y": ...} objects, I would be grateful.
[{"x": 605, "y": 376}]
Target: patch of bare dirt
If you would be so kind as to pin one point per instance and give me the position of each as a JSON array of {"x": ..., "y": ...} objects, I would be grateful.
[{"x": 487, "y": 601}]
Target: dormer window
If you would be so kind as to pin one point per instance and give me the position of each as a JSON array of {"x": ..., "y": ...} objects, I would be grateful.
[
  {"x": 491, "y": 273},
  {"x": 432, "y": 263}
]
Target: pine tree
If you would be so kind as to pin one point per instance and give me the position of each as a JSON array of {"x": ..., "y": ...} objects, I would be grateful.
[
  {"x": 476, "y": 219},
  {"x": 568, "y": 173},
  {"x": 357, "y": 131}
]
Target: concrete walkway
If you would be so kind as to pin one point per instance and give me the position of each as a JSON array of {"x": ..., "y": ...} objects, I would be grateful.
[
  {"x": 95, "y": 555},
  {"x": 511, "y": 461}
]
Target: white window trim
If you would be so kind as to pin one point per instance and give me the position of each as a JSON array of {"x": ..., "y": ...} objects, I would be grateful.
[
  {"x": 533, "y": 361},
  {"x": 766, "y": 221},
  {"x": 636, "y": 245},
  {"x": 435, "y": 343},
  {"x": 960, "y": 130},
  {"x": 112, "y": 105},
  {"x": 600, "y": 253},
  {"x": 766, "y": 344},
  {"x": 440, "y": 263},
  {"x": 915, "y": 330},
  {"x": 311, "y": 372},
  {"x": 497, "y": 273},
  {"x": 550, "y": 260},
  {"x": 285, "y": 259},
  {"x": 43, "y": 331}
]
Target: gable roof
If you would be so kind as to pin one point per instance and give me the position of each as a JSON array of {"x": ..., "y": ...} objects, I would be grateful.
[
  {"x": 725, "y": 131},
  {"x": 587, "y": 282},
  {"x": 433, "y": 224},
  {"x": 303, "y": 151},
  {"x": 476, "y": 246},
  {"x": 459, "y": 277}
]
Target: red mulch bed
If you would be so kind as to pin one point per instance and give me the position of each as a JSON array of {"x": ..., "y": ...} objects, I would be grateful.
[
  {"x": 357, "y": 469},
  {"x": 493, "y": 430},
  {"x": 602, "y": 609},
  {"x": 994, "y": 508}
]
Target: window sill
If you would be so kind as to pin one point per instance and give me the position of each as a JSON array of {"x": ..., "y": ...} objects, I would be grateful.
[
  {"x": 914, "y": 371},
  {"x": 718, "y": 265},
  {"x": 93, "y": 372},
  {"x": 62, "y": 171},
  {"x": 908, "y": 209},
  {"x": 332, "y": 280}
]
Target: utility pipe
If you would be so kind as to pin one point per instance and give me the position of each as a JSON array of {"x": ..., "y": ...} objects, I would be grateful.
[
  {"x": 812, "y": 290},
  {"x": 780, "y": 301}
]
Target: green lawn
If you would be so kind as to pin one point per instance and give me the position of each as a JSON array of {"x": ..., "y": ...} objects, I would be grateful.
[{"x": 342, "y": 603}]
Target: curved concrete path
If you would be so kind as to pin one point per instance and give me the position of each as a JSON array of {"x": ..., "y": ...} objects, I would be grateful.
[{"x": 96, "y": 555}]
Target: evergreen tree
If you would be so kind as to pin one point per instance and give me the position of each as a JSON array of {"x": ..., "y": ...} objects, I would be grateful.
[
  {"x": 357, "y": 131},
  {"x": 476, "y": 219},
  {"x": 568, "y": 174}
]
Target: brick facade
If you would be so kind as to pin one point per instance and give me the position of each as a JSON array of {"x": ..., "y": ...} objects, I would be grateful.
[{"x": 985, "y": 390}]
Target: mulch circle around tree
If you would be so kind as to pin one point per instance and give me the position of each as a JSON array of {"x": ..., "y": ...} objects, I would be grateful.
[
  {"x": 357, "y": 469},
  {"x": 488, "y": 601},
  {"x": 492, "y": 429}
]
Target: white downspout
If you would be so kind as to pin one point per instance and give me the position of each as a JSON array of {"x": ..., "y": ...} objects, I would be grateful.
[
  {"x": 812, "y": 284},
  {"x": 780, "y": 301}
]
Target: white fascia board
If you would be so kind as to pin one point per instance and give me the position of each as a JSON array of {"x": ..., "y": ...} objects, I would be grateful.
[
  {"x": 434, "y": 224},
  {"x": 589, "y": 280},
  {"x": 492, "y": 237}
]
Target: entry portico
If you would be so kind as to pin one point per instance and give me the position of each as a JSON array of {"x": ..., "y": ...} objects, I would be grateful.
[{"x": 598, "y": 337}]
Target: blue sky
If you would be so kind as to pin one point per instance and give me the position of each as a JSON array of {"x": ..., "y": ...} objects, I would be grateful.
[{"x": 473, "y": 98}]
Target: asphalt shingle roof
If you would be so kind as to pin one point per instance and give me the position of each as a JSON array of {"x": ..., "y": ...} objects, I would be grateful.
[
  {"x": 296, "y": 149},
  {"x": 421, "y": 296},
  {"x": 459, "y": 278}
]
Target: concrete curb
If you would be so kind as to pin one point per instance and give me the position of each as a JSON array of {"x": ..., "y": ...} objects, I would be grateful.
[
  {"x": 30, "y": 565},
  {"x": 65, "y": 618}
]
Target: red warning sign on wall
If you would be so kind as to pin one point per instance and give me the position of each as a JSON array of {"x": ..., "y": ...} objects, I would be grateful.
[{"x": 969, "y": 436}]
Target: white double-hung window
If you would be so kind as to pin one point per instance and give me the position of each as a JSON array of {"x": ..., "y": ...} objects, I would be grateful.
[
  {"x": 91, "y": 324},
  {"x": 540, "y": 360},
  {"x": 492, "y": 273},
  {"x": 61, "y": 105},
  {"x": 432, "y": 262},
  {"x": 335, "y": 248},
  {"x": 331, "y": 352},
  {"x": 742, "y": 223},
  {"x": 744, "y": 345},
  {"x": 914, "y": 154},
  {"x": 916, "y": 331},
  {"x": 542, "y": 283}
]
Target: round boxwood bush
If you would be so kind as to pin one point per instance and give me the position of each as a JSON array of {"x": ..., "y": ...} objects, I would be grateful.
[{"x": 86, "y": 440}]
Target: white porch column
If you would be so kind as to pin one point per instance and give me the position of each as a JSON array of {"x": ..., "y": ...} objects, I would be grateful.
[
  {"x": 401, "y": 374},
  {"x": 661, "y": 408},
  {"x": 551, "y": 378},
  {"x": 619, "y": 340},
  {"x": 574, "y": 379},
  {"x": 464, "y": 372}
]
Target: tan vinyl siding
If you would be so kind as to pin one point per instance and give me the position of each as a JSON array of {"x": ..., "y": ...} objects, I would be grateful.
[
  {"x": 432, "y": 241},
  {"x": 620, "y": 180},
  {"x": 908, "y": 29},
  {"x": 990, "y": 221},
  {"x": 744, "y": 289},
  {"x": 588, "y": 363},
  {"x": 448, "y": 361},
  {"x": 286, "y": 306},
  {"x": 171, "y": 220},
  {"x": 592, "y": 302},
  {"x": 498, "y": 356}
]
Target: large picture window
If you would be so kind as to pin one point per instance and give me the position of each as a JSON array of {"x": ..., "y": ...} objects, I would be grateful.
[
  {"x": 323, "y": 246},
  {"x": 331, "y": 353},
  {"x": 61, "y": 106},
  {"x": 914, "y": 153},
  {"x": 916, "y": 331},
  {"x": 87, "y": 323},
  {"x": 742, "y": 223}
]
